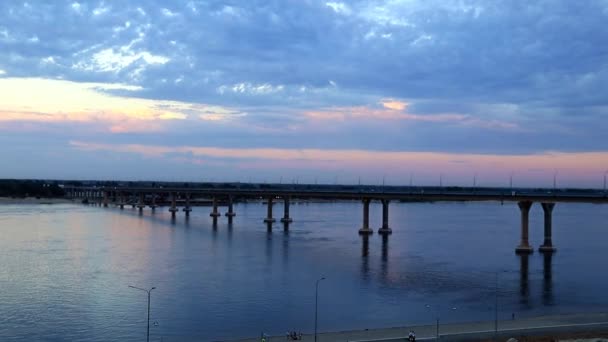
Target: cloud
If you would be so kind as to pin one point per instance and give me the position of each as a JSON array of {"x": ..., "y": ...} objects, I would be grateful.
[
  {"x": 252, "y": 89},
  {"x": 457, "y": 165},
  {"x": 62, "y": 101},
  {"x": 466, "y": 76},
  {"x": 397, "y": 110}
]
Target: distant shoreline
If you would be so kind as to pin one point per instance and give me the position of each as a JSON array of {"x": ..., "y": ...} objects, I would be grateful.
[{"x": 33, "y": 200}]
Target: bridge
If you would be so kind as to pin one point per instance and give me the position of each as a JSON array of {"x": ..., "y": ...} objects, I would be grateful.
[{"x": 227, "y": 194}]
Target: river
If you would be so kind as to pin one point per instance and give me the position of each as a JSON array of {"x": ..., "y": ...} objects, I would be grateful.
[{"x": 65, "y": 269}]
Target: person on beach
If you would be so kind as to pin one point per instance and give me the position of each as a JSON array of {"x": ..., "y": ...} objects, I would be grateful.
[{"x": 412, "y": 336}]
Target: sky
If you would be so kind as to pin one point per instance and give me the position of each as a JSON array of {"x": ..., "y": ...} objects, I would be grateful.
[{"x": 393, "y": 91}]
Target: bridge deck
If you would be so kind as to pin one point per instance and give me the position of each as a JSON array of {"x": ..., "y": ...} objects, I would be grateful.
[{"x": 378, "y": 193}]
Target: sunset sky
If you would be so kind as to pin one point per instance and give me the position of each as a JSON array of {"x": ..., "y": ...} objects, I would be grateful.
[{"x": 322, "y": 91}]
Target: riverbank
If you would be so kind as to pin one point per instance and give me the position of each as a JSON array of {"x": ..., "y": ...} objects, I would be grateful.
[
  {"x": 33, "y": 200},
  {"x": 542, "y": 328}
]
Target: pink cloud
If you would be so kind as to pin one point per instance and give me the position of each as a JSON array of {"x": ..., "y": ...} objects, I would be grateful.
[
  {"x": 398, "y": 110},
  {"x": 399, "y": 164}
]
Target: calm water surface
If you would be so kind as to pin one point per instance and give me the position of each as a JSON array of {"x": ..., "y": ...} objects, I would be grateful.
[{"x": 65, "y": 269}]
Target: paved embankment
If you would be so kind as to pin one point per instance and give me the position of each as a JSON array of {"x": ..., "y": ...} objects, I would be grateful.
[{"x": 543, "y": 325}]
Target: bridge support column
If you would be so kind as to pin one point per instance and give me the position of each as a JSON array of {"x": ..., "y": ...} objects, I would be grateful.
[
  {"x": 286, "y": 218},
  {"x": 230, "y": 214},
  {"x": 153, "y": 204},
  {"x": 173, "y": 210},
  {"x": 366, "y": 230},
  {"x": 141, "y": 205},
  {"x": 524, "y": 246},
  {"x": 269, "y": 218},
  {"x": 187, "y": 209},
  {"x": 215, "y": 213},
  {"x": 385, "y": 230},
  {"x": 548, "y": 243},
  {"x": 122, "y": 201},
  {"x": 106, "y": 199}
]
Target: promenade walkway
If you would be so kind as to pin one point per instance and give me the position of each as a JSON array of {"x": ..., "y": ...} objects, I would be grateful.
[{"x": 544, "y": 325}]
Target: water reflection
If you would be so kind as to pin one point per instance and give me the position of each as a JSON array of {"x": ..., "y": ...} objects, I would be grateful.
[
  {"x": 385, "y": 248},
  {"x": 524, "y": 290},
  {"x": 286, "y": 248},
  {"x": 364, "y": 257},
  {"x": 547, "y": 279},
  {"x": 384, "y": 264},
  {"x": 269, "y": 247},
  {"x": 230, "y": 231},
  {"x": 365, "y": 246}
]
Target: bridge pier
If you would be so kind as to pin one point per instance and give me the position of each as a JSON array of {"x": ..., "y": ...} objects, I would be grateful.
[
  {"x": 385, "y": 230},
  {"x": 106, "y": 199},
  {"x": 122, "y": 201},
  {"x": 187, "y": 209},
  {"x": 230, "y": 214},
  {"x": 366, "y": 230},
  {"x": 524, "y": 246},
  {"x": 215, "y": 213},
  {"x": 141, "y": 205},
  {"x": 269, "y": 219},
  {"x": 153, "y": 204},
  {"x": 286, "y": 218},
  {"x": 173, "y": 210},
  {"x": 548, "y": 243}
]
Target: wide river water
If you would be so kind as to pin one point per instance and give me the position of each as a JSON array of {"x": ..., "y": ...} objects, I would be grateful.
[{"x": 65, "y": 269}]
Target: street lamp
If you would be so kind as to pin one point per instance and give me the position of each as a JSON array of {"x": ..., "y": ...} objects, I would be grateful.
[
  {"x": 428, "y": 306},
  {"x": 496, "y": 309},
  {"x": 554, "y": 180},
  {"x": 317, "y": 305},
  {"x": 148, "y": 291},
  {"x": 496, "y": 304}
]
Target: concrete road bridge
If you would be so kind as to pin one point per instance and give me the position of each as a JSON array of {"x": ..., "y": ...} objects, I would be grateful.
[{"x": 227, "y": 194}]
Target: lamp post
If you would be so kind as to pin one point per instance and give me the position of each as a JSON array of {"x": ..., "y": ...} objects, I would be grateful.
[
  {"x": 428, "y": 306},
  {"x": 496, "y": 309},
  {"x": 317, "y": 305},
  {"x": 554, "y": 180},
  {"x": 148, "y": 291},
  {"x": 496, "y": 303}
]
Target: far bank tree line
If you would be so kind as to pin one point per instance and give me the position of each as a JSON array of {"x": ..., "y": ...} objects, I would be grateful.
[{"x": 30, "y": 188}]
